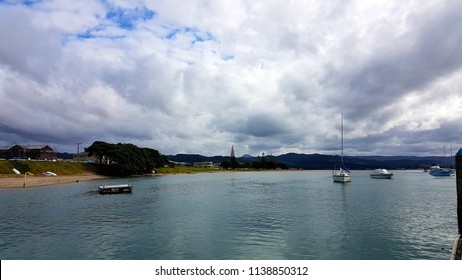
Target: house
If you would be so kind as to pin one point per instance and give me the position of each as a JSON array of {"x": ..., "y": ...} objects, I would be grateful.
[
  {"x": 205, "y": 164},
  {"x": 43, "y": 152},
  {"x": 40, "y": 152}
]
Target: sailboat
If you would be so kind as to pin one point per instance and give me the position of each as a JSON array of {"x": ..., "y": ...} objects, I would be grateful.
[
  {"x": 437, "y": 171},
  {"x": 343, "y": 174}
]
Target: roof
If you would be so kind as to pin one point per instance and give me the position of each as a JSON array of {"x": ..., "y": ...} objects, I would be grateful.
[{"x": 28, "y": 147}]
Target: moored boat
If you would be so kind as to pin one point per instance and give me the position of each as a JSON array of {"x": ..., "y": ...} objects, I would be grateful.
[
  {"x": 438, "y": 171},
  {"x": 112, "y": 189},
  {"x": 381, "y": 174},
  {"x": 343, "y": 174}
]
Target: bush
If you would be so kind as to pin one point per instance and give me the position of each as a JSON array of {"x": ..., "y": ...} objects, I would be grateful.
[{"x": 22, "y": 166}]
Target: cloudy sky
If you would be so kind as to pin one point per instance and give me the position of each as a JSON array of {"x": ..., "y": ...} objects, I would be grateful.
[{"x": 198, "y": 76}]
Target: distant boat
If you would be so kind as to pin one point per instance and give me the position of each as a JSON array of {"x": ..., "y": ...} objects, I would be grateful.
[
  {"x": 343, "y": 174},
  {"x": 49, "y": 173},
  {"x": 437, "y": 171},
  {"x": 112, "y": 189},
  {"x": 381, "y": 174}
]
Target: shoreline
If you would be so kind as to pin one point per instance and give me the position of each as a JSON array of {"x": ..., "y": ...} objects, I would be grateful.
[
  {"x": 14, "y": 181},
  {"x": 32, "y": 181}
]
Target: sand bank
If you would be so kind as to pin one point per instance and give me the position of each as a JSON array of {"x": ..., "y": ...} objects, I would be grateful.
[{"x": 17, "y": 181}]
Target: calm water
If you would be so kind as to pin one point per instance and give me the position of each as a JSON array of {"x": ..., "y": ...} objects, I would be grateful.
[{"x": 248, "y": 215}]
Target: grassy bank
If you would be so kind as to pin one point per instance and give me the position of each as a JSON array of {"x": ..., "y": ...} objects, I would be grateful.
[
  {"x": 38, "y": 167},
  {"x": 77, "y": 168}
]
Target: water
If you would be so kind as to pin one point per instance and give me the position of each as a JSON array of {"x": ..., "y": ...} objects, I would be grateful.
[{"x": 242, "y": 215}]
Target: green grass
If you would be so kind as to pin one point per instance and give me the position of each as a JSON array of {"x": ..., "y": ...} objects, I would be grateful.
[
  {"x": 77, "y": 168},
  {"x": 186, "y": 170},
  {"x": 38, "y": 167}
]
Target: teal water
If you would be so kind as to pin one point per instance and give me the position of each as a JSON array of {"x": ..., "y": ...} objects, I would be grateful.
[{"x": 242, "y": 215}]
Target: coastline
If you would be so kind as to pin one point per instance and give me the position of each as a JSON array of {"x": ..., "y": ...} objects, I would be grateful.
[
  {"x": 13, "y": 181},
  {"x": 17, "y": 181}
]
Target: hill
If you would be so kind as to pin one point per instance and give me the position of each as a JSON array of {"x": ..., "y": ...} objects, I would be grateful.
[{"x": 319, "y": 161}]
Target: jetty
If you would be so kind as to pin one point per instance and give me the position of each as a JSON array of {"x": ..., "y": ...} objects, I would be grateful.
[
  {"x": 114, "y": 189},
  {"x": 456, "y": 251}
]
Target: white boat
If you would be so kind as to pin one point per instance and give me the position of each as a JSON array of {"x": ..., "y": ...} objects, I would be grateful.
[
  {"x": 49, "y": 173},
  {"x": 381, "y": 174},
  {"x": 438, "y": 171},
  {"x": 343, "y": 174}
]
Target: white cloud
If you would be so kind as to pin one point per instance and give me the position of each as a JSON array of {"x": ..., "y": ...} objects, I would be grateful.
[{"x": 266, "y": 76}]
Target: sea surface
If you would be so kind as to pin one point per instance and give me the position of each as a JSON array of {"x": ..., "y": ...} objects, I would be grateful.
[{"x": 234, "y": 215}]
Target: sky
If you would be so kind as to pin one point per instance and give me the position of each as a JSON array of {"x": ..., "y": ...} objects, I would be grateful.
[{"x": 199, "y": 76}]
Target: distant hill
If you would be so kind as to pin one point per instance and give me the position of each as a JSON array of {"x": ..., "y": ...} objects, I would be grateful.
[{"x": 319, "y": 161}]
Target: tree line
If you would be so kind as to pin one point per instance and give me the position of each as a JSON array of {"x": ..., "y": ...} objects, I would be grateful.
[
  {"x": 261, "y": 163},
  {"x": 125, "y": 159}
]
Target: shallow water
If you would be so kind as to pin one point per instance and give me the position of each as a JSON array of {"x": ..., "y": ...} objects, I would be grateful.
[{"x": 239, "y": 215}]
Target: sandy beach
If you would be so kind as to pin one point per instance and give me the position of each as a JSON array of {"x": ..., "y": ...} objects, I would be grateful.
[{"x": 17, "y": 181}]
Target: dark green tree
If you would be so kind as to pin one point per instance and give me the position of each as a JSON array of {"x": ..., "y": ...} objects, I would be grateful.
[
  {"x": 267, "y": 162},
  {"x": 233, "y": 164},
  {"x": 125, "y": 159}
]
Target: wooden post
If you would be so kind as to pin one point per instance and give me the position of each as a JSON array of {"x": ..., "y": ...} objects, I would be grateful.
[{"x": 459, "y": 188}]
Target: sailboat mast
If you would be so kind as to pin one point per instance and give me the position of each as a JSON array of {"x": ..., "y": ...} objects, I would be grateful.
[
  {"x": 341, "y": 128},
  {"x": 445, "y": 160}
]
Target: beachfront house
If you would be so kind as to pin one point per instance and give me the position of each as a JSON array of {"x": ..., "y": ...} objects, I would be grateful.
[{"x": 38, "y": 152}]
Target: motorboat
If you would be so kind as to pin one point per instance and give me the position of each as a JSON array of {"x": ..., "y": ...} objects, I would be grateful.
[
  {"x": 381, "y": 174},
  {"x": 438, "y": 171}
]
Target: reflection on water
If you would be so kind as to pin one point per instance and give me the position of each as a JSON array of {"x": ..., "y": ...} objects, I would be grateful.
[{"x": 250, "y": 215}]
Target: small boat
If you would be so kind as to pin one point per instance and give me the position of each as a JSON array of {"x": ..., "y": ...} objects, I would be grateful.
[
  {"x": 49, "y": 173},
  {"x": 111, "y": 189},
  {"x": 381, "y": 174},
  {"x": 437, "y": 171},
  {"x": 343, "y": 174}
]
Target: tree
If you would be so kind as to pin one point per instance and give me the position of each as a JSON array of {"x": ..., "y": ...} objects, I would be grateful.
[
  {"x": 125, "y": 159},
  {"x": 265, "y": 162},
  {"x": 233, "y": 164}
]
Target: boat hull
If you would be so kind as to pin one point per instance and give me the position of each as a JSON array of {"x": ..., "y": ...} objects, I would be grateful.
[
  {"x": 381, "y": 176},
  {"x": 440, "y": 173},
  {"x": 341, "y": 178},
  {"x": 114, "y": 189}
]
